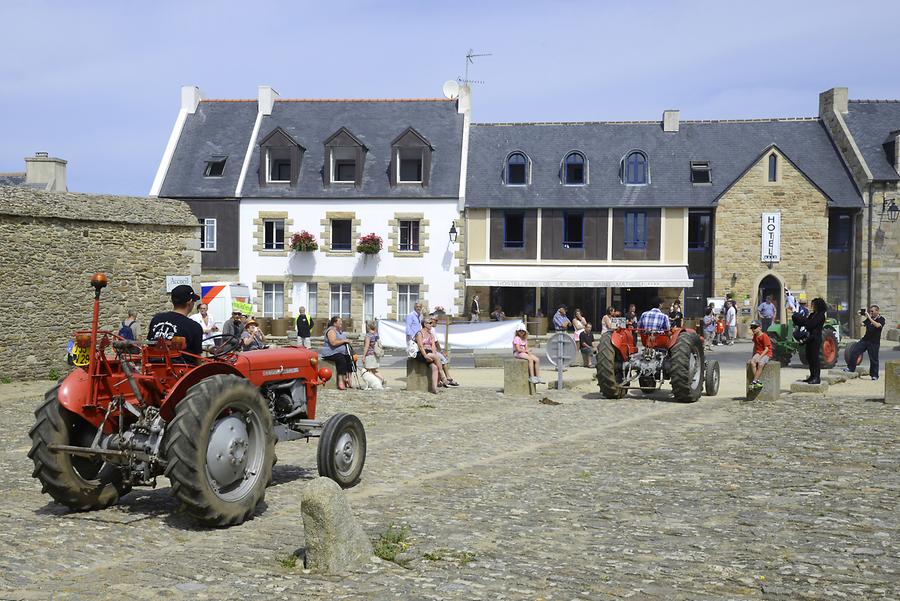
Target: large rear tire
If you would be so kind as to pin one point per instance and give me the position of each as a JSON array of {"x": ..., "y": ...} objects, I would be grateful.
[
  {"x": 687, "y": 368},
  {"x": 79, "y": 483},
  {"x": 341, "y": 454},
  {"x": 219, "y": 449},
  {"x": 609, "y": 369},
  {"x": 847, "y": 350},
  {"x": 828, "y": 353}
]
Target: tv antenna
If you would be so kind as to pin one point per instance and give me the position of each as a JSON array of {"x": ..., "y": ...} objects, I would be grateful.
[{"x": 470, "y": 60}]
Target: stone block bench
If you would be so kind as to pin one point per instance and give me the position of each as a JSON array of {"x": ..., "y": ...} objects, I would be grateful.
[
  {"x": 809, "y": 388},
  {"x": 892, "y": 382},
  {"x": 771, "y": 379},
  {"x": 515, "y": 378},
  {"x": 488, "y": 359},
  {"x": 417, "y": 375}
]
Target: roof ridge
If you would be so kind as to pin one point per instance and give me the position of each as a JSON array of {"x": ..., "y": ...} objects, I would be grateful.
[
  {"x": 2, "y": 173},
  {"x": 873, "y": 100},
  {"x": 756, "y": 120},
  {"x": 333, "y": 100}
]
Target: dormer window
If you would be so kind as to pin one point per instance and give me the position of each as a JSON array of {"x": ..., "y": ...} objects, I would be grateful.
[
  {"x": 574, "y": 169},
  {"x": 516, "y": 170},
  {"x": 279, "y": 159},
  {"x": 215, "y": 166},
  {"x": 700, "y": 172},
  {"x": 635, "y": 169},
  {"x": 345, "y": 157},
  {"x": 410, "y": 159}
]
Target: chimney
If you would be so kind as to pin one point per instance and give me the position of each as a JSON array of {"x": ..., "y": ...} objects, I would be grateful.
[
  {"x": 45, "y": 170},
  {"x": 834, "y": 99},
  {"x": 267, "y": 96},
  {"x": 190, "y": 98},
  {"x": 670, "y": 120}
]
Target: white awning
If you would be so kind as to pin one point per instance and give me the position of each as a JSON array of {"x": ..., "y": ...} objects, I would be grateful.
[{"x": 565, "y": 276}]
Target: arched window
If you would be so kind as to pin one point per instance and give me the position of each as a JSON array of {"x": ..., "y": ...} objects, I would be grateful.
[
  {"x": 636, "y": 168},
  {"x": 516, "y": 169},
  {"x": 773, "y": 167},
  {"x": 574, "y": 172}
]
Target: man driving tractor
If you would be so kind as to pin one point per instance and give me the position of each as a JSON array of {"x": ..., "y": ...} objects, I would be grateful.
[
  {"x": 655, "y": 320},
  {"x": 168, "y": 324}
]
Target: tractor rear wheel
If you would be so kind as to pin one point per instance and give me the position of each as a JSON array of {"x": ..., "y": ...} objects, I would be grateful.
[
  {"x": 219, "y": 449},
  {"x": 847, "y": 350},
  {"x": 609, "y": 369},
  {"x": 828, "y": 351},
  {"x": 342, "y": 449},
  {"x": 80, "y": 483},
  {"x": 687, "y": 368}
]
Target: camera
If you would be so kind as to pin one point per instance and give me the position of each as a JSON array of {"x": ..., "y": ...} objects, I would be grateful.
[{"x": 862, "y": 312}]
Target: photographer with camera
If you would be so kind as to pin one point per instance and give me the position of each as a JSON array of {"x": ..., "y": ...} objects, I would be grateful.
[{"x": 873, "y": 322}]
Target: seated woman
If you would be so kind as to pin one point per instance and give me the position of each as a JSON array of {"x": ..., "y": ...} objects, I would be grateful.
[
  {"x": 425, "y": 341},
  {"x": 520, "y": 351},
  {"x": 336, "y": 350},
  {"x": 252, "y": 337}
]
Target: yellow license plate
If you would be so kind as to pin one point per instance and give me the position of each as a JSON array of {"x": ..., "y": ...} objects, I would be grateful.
[{"x": 81, "y": 356}]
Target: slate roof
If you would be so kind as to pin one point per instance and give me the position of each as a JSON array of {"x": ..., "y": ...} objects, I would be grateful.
[
  {"x": 224, "y": 127},
  {"x": 870, "y": 122},
  {"x": 215, "y": 129},
  {"x": 731, "y": 147},
  {"x": 12, "y": 179}
]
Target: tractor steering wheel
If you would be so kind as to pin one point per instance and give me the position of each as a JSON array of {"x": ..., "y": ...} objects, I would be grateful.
[{"x": 223, "y": 344}]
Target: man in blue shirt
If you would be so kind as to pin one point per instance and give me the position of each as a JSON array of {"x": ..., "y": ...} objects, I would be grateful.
[
  {"x": 766, "y": 311},
  {"x": 561, "y": 323},
  {"x": 413, "y": 322},
  {"x": 655, "y": 320}
]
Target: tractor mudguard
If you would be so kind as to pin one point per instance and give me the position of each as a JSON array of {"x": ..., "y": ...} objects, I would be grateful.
[
  {"x": 194, "y": 376},
  {"x": 623, "y": 340},
  {"x": 673, "y": 336},
  {"x": 74, "y": 393}
]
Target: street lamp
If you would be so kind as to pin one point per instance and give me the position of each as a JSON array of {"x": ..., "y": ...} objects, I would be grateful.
[
  {"x": 454, "y": 233},
  {"x": 893, "y": 211}
]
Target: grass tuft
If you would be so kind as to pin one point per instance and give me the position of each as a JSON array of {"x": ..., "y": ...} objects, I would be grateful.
[
  {"x": 289, "y": 562},
  {"x": 392, "y": 542}
]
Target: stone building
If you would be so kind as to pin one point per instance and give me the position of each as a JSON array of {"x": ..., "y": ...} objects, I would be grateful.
[
  {"x": 256, "y": 172},
  {"x": 54, "y": 241},
  {"x": 597, "y": 214}
]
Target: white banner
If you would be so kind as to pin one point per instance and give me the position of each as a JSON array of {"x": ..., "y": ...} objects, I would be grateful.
[
  {"x": 771, "y": 238},
  {"x": 480, "y": 335}
]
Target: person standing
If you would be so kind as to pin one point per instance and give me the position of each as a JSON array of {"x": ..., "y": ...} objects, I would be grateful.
[
  {"x": 790, "y": 302},
  {"x": 762, "y": 352},
  {"x": 631, "y": 321},
  {"x": 814, "y": 324},
  {"x": 207, "y": 323},
  {"x": 130, "y": 326},
  {"x": 475, "y": 310},
  {"x": 578, "y": 324},
  {"x": 370, "y": 356},
  {"x": 802, "y": 309},
  {"x": 870, "y": 343},
  {"x": 730, "y": 322},
  {"x": 586, "y": 345},
  {"x": 413, "y": 322},
  {"x": 766, "y": 310},
  {"x": 606, "y": 324},
  {"x": 675, "y": 314},
  {"x": 709, "y": 327},
  {"x": 561, "y": 323},
  {"x": 304, "y": 328}
]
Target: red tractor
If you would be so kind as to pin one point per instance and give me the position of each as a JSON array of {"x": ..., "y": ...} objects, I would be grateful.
[
  {"x": 133, "y": 412},
  {"x": 675, "y": 355}
]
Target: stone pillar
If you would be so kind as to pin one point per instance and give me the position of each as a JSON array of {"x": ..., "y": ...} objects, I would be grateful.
[
  {"x": 892, "y": 382},
  {"x": 418, "y": 375},
  {"x": 771, "y": 379},
  {"x": 515, "y": 378}
]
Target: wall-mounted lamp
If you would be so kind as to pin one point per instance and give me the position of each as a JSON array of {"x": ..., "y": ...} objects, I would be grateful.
[
  {"x": 453, "y": 232},
  {"x": 892, "y": 210},
  {"x": 733, "y": 278}
]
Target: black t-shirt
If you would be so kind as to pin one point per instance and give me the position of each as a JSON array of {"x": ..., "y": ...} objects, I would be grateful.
[
  {"x": 873, "y": 334},
  {"x": 586, "y": 339},
  {"x": 676, "y": 317},
  {"x": 170, "y": 324}
]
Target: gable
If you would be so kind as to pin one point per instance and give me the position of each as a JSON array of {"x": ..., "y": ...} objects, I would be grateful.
[
  {"x": 410, "y": 138},
  {"x": 343, "y": 137},
  {"x": 278, "y": 138}
]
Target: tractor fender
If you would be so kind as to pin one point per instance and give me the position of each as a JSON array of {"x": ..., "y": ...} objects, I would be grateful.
[
  {"x": 188, "y": 380},
  {"x": 676, "y": 332},
  {"x": 623, "y": 341},
  {"x": 74, "y": 392}
]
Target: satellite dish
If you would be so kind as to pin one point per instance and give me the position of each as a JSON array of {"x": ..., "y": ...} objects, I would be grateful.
[{"x": 451, "y": 89}]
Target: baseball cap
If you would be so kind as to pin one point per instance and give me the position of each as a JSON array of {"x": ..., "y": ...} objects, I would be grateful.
[
  {"x": 182, "y": 294},
  {"x": 754, "y": 324}
]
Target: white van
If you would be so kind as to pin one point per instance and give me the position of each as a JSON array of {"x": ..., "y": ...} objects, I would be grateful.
[{"x": 220, "y": 297}]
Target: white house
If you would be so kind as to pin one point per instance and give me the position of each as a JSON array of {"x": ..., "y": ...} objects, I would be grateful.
[{"x": 257, "y": 172}]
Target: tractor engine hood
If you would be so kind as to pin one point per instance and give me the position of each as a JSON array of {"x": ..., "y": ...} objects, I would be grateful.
[{"x": 279, "y": 364}]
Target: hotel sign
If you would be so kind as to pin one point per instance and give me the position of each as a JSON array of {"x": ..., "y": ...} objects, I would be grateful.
[{"x": 771, "y": 237}]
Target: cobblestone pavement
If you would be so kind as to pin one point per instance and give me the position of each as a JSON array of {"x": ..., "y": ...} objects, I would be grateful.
[{"x": 513, "y": 499}]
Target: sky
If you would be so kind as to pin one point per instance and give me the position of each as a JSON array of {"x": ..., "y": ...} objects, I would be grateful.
[{"x": 98, "y": 82}]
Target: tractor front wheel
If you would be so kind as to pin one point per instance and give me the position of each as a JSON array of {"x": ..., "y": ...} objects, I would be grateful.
[
  {"x": 609, "y": 369},
  {"x": 342, "y": 449},
  {"x": 687, "y": 368},
  {"x": 79, "y": 483},
  {"x": 219, "y": 449},
  {"x": 711, "y": 379}
]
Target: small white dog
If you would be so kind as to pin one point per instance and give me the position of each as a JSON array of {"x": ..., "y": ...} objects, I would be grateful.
[{"x": 371, "y": 381}]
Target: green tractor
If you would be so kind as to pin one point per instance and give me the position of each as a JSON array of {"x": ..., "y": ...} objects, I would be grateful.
[{"x": 784, "y": 345}]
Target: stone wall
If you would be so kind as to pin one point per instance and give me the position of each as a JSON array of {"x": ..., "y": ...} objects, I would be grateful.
[
  {"x": 885, "y": 255},
  {"x": 52, "y": 244},
  {"x": 804, "y": 235}
]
